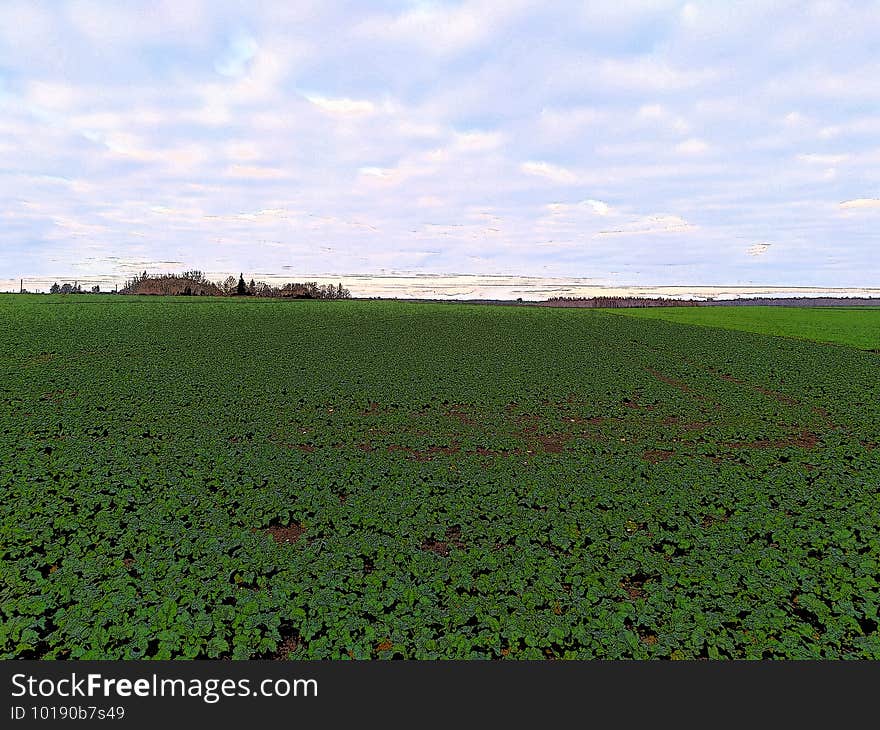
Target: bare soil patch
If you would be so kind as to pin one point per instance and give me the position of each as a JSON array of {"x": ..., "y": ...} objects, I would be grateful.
[
  {"x": 710, "y": 519},
  {"x": 634, "y": 586},
  {"x": 554, "y": 443},
  {"x": 56, "y": 396},
  {"x": 286, "y": 535},
  {"x": 288, "y": 645},
  {"x": 459, "y": 412},
  {"x": 443, "y": 547},
  {"x": 426, "y": 454},
  {"x": 803, "y": 440},
  {"x": 634, "y": 403},
  {"x": 655, "y": 456},
  {"x": 780, "y": 397},
  {"x": 686, "y": 425}
]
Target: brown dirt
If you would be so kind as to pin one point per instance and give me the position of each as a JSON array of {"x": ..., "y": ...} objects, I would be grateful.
[
  {"x": 426, "y": 454},
  {"x": 42, "y": 358},
  {"x": 679, "y": 384},
  {"x": 781, "y": 397},
  {"x": 670, "y": 380},
  {"x": 308, "y": 448},
  {"x": 373, "y": 407},
  {"x": 593, "y": 421},
  {"x": 527, "y": 431},
  {"x": 287, "y": 645},
  {"x": 634, "y": 403},
  {"x": 285, "y": 535},
  {"x": 804, "y": 440},
  {"x": 686, "y": 425},
  {"x": 443, "y": 547},
  {"x": 657, "y": 455},
  {"x": 480, "y": 450},
  {"x": 554, "y": 443},
  {"x": 447, "y": 450},
  {"x": 56, "y": 396},
  {"x": 528, "y": 418},
  {"x": 458, "y": 412},
  {"x": 634, "y": 587},
  {"x": 825, "y": 416},
  {"x": 709, "y": 520}
]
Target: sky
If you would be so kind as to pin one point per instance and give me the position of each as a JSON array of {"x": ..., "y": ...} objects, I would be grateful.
[{"x": 637, "y": 143}]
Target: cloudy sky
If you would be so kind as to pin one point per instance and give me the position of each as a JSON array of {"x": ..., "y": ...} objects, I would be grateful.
[{"x": 627, "y": 143}]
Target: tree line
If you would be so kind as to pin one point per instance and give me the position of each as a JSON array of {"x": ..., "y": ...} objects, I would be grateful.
[
  {"x": 195, "y": 283},
  {"x": 619, "y": 302},
  {"x": 74, "y": 288}
]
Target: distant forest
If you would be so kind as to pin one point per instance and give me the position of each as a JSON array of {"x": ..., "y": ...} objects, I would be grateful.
[
  {"x": 619, "y": 302},
  {"x": 195, "y": 283}
]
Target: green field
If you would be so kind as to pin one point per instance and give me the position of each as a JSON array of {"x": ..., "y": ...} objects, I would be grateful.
[
  {"x": 201, "y": 477},
  {"x": 855, "y": 326}
]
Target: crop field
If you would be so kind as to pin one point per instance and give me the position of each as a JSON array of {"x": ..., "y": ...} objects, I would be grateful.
[
  {"x": 855, "y": 326},
  {"x": 201, "y": 477}
]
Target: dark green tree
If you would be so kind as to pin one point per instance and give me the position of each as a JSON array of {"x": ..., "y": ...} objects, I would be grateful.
[{"x": 241, "y": 289}]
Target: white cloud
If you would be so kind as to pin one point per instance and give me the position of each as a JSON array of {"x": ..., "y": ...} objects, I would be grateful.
[
  {"x": 54, "y": 96},
  {"x": 259, "y": 82},
  {"x": 106, "y": 25},
  {"x": 858, "y": 203},
  {"x": 592, "y": 207},
  {"x": 651, "y": 111},
  {"x": 563, "y": 124},
  {"x": 758, "y": 249},
  {"x": 857, "y": 126},
  {"x": 478, "y": 141},
  {"x": 255, "y": 172},
  {"x": 692, "y": 147},
  {"x": 655, "y": 115},
  {"x": 651, "y": 74},
  {"x": 816, "y": 159},
  {"x": 379, "y": 172},
  {"x": 554, "y": 173},
  {"x": 599, "y": 207},
  {"x": 650, "y": 225},
  {"x": 242, "y": 150},
  {"x": 441, "y": 30},
  {"x": 343, "y": 106}
]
